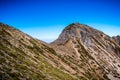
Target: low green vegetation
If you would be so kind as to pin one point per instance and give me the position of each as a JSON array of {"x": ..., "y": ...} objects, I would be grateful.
[{"x": 15, "y": 64}]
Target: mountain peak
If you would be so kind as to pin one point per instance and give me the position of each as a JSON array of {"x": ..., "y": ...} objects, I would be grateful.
[
  {"x": 73, "y": 25},
  {"x": 82, "y": 28},
  {"x": 80, "y": 31},
  {"x": 79, "y": 42}
]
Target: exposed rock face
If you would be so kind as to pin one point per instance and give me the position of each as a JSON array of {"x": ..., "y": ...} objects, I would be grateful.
[
  {"x": 91, "y": 53},
  {"x": 25, "y": 58},
  {"x": 80, "y": 53},
  {"x": 116, "y": 39}
]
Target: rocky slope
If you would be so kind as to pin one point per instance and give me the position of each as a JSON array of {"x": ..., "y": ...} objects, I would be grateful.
[
  {"x": 92, "y": 54},
  {"x": 116, "y": 39},
  {"x": 80, "y": 53},
  {"x": 25, "y": 58}
]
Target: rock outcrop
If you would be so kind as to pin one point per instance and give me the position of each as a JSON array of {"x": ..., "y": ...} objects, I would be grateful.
[{"x": 116, "y": 39}]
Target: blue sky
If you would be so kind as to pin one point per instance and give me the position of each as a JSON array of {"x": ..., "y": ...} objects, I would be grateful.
[{"x": 45, "y": 19}]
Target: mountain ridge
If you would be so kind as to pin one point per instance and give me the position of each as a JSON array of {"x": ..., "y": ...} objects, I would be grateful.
[
  {"x": 23, "y": 57},
  {"x": 79, "y": 53}
]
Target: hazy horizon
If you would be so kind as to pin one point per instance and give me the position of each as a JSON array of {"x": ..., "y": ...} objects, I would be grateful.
[{"x": 45, "y": 19}]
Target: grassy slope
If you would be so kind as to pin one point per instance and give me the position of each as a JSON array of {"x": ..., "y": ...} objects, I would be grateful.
[{"x": 16, "y": 64}]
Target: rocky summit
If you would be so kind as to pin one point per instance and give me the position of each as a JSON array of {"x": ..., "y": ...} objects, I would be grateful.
[
  {"x": 92, "y": 54},
  {"x": 79, "y": 53}
]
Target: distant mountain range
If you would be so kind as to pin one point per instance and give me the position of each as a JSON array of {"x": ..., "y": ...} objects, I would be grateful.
[{"x": 80, "y": 53}]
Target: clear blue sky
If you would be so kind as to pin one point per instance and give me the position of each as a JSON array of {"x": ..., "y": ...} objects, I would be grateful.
[{"x": 45, "y": 19}]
